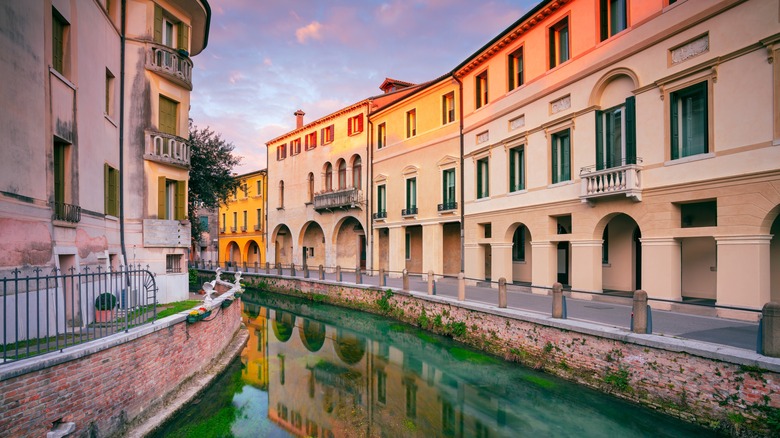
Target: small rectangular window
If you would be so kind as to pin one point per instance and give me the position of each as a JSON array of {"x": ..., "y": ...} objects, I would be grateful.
[
  {"x": 699, "y": 214},
  {"x": 515, "y": 65},
  {"x": 411, "y": 123},
  {"x": 411, "y": 196},
  {"x": 483, "y": 178},
  {"x": 448, "y": 190},
  {"x": 109, "y": 93},
  {"x": 259, "y": 187},
  {"x": 481, "y": 85},
  {"x": 243, "y": 228},
  {"x": 281, "y": 152},
  {"x": 259, "y": 220},
  {"x": 59, "y": 32},
  {"x": 381, "y": 136},
  {"x": 204, "y": 223},
  {"x": 173, "y": 263},
  {"x": 311, "y": 140},
  {"x": 448, "y": 108},
  {"x": 559, "y": 43},
  {"x": 224, "y": 221},
  {"x": 381, "y": 199},
  {"x": 326, "y": 134},
  {"x": 355, "y": 125}
]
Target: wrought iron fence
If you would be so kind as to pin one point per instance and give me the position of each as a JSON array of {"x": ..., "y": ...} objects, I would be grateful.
[{"x": 44, "y": 313}]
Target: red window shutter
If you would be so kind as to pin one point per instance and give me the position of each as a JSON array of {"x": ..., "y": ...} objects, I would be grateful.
[
  {"x": 332, "y": 130},
  {"x": 349, "y": 127},
  {"x": 360, "y": 123}
]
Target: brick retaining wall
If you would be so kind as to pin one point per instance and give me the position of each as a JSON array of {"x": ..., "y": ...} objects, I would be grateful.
[
  {"x": 105, "y": 384},
  {"x": 735, "y": 390}
]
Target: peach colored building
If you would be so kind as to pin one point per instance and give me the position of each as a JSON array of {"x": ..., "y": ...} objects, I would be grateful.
[
  {"x": 627, "y": 144},
  {"x": 96, "y": 102},
  {"x": 242, "y": 223}
]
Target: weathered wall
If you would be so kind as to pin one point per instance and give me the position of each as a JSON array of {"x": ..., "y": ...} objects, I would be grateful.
[
  {"x": 728, "y": 388},
  {"x": 103, "y": 390}
]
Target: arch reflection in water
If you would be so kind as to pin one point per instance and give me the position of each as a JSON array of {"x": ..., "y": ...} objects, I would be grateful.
[{"x": 349, "y": 374}]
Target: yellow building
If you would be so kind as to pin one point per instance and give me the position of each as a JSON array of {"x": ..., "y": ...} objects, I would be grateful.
[{"x": 242, "y": 223}]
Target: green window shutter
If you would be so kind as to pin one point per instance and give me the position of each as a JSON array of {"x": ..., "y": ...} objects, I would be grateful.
[
  {"x": 479, "y": 179},
  {"x": 106, "y": 189},
  {"x": 511, "y": 73},
  {"x": 599, "y": 140},
  {"x": 184, "y": 36},
  {"x": 675, "y": 135},
  {"x": 58, "y": 31},
  {"x": 521, "y": 168},
  {"x": 630, "y": 130},
  {"x": 113, "y": 184},
  {"x": 168, "y": 109},
  {"x": 555, "y": 141},
  {"x": 181, "y": 201},
  {"x": 603, "y": 22},
  {"x": 565, "y": 159},
  {"x": 161, "y": 198},
  {"x": 158, "y": 24},
  {"x": 512, "y": 166}
]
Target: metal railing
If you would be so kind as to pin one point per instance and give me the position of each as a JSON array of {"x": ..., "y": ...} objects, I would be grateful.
[
  {"x": 409, "y": 211},
  {"x": 448, "y": 206},
  {"x": 45, "y": 313},
  {"x": 66, "y": 212},
  {"x": 380, "y": 215}
]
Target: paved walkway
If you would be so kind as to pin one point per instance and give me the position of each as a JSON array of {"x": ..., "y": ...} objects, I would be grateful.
[{"x": 685, "y": 321}]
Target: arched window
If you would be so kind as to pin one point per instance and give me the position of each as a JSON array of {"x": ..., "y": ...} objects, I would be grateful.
[
  {"x": 356, "y": 176},
  {"x": 518, "y": 244},
  {"x": 328, "y": 177},
  {"x": 342, "y": 174},
  {"x": 281, "y": 194},
  {"x": 311, "y": 187}
]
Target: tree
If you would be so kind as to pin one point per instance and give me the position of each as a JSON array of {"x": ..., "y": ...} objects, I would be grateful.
[{"x": 211, "y": 179}]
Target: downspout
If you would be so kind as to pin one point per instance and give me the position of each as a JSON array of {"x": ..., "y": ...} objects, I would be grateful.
[
  {"x": 122, "y": 134},
  {"x": 462, "y": 183},
  {"x": 368, "y": 191}
]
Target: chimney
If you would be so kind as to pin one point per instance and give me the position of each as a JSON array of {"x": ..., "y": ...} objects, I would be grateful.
[{"x": 299, "y": 118}]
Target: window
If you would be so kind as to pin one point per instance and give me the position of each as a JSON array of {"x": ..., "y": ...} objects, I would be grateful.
[
  {"x": 281, "y": 152},
  {"x": 605, "y": 246},
  {"x": 109, "y": 93},
  {"x": 483, "y": 178},
  {"x": 411, "y": 196},
  {"x": 171, "y": 199},
  {"x": 59, "y": 47},
  {"x": 481, "y": 84},
  {"x": 259, "y": 187},
  {"x": 561, "y": 157},
  {"x": 699, "y": 214},
  {"x": 381, "y": 199},
  {"x": 328, "y": 177},
  {"x": 357, "y": 173},
  {"x": 342, "y": 174},
  {"x": 311, "y": 186},
  {"x": 448, "y": 189},
  {"x": 111, "y": 190},
  {"x": 448, "y": 108},
  {"x": 616, "y": 135},
  {"x": 62, "y": 181},
  {"x": 224, "y": 221},
  {"x": 173, "y": 263},
  {"x": 408, "y": 247},
  {"x": 411, "y": 123},
  {"x": 168, "y": 31},
  {"x": 355, "y": 125},
  {"x": 311, "y": 141},
  {"x": 243, "y": 228},
  {"x": 613, "y": 17},
  {"x": 515, "y": 73},
  {"x": 326, "y": 135},
  {"x": 204, "y": 223},
  {"x": 295, "y": 146},
  {"x": 381, "y": 136},
  {"x": 259, "y": 220},
  {"x": 168, "y": 116},
  {"x": 245, "y": 189},
  {"x": 689, "y": 121},
  {"x": 281, "y": 194},
  {"x": 234, "y": 228},
  {"x": 517, "y": 169},
  {"x": 518, "y": 244},
  {"x": 559, "y": 43}
]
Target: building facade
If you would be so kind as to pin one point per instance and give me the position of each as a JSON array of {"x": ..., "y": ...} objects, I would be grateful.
[
  {"x": 97, "y": 176},
  {"x": 242, "y": 223}
]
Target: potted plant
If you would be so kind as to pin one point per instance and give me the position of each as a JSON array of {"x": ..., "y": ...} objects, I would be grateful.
[
  {"x": 193, "y": 317},
  {"x": 105, "y": 307},
  {"x": 226, "y": 303}
]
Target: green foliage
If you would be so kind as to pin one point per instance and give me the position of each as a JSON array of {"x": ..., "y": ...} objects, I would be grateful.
[
  {"x": 437, "y": 321},
  {"x": 423, "y": 320},
  {"x": 105, "y": 301},
  {"x": 193, "y": 276},
  {"x": 384, "y": 302},
  {"x": 539, "y": 381},
  {"x": 178, "y": 306},
  {"x": 457, "y": 328},
  {"x": 548, "y": 347},
  {"x": 472, "y": 356},
  {"x": 618, "y": 379}
]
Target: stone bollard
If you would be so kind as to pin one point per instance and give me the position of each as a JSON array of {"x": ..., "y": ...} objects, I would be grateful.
[
  {"x": 430, "y": 283},
  {"x": 405, "y": 283},
  {"x": 305, "y": 271},
  {"x": 358, "y": 275},
  {"x": 267, "y": 267},
  {"x": 770, "y": 329},
  {"x": 382, "y": 279},
  {"x": 279, "y": 269},
  {"x": 461, "y": 286},
  {"x": 338, "y": 273},
  {"x": 502, "y": 293},
  {"x": 639, "y": 312},
  {"x": 292, "y": 269},
  {"x": 557, "y": 303},
  {"x": 322, "y": 272}
]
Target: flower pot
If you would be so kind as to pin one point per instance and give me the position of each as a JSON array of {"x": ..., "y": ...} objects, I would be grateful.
[
  {"x": 226, "y": 304},
  {"x": 104, "y": 315},
  {"x": 192, "y": 319},
  {"x": 205, "y": 315}
]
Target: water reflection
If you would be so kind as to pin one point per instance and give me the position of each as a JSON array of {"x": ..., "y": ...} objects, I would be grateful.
[{"x": 349, "y": 374}]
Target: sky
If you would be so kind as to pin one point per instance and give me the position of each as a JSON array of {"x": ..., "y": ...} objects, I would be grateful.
[{"x": 266, "y": 59}]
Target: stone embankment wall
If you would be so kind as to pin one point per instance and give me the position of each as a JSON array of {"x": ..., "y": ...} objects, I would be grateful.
[
  {"x": 730, "y": 389},
  {"x": 103, "y": 385}
]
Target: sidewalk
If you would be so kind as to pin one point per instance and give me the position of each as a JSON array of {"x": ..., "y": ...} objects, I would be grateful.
[{"x": 610, "y": 311}]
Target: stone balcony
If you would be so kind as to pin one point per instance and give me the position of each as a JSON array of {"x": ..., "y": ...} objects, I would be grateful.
[
  {"x": 339, "y": 199},
  {"x": 167, "y": 148},
  {"x": 616, "y": 181},
  {"x": 169, "y": 62}
]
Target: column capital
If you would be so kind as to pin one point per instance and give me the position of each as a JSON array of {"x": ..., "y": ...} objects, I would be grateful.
[
  {"x": 587, "y": 243},
  {"x": 659, "y": 241},
  {"x": 501, "y": 245},
  {"x": 745, "y": 239},
  {"x": 543, "y": 243}
]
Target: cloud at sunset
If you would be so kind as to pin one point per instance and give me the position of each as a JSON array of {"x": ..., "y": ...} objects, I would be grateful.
[{"x": 311, "y": 31}]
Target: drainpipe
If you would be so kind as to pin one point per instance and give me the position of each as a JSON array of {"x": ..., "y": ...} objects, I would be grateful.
[
  {"x": 462, "y": 183},
  {"x": 122, "y": 134},
  {"x": 370, "y": 188}
]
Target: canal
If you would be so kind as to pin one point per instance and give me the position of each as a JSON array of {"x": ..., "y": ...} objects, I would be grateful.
[{"x": 315, "y": 370}]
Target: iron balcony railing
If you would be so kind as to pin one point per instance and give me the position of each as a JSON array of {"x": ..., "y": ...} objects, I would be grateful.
[
  {"x": 448, "y": 206},
  {"x": 257, "y": 227},
  {"x": 167, "y": 148},
  {"x": 232, "y": 229},
  {"x": 619, "y": 180},
  {"x": 344, "y": 198},
  {"x": 66, "y": 212},
  {"x": 44, "y": 313},
  {"x": 173, "y": 63},
  {"x": 380, "y": 215},
  {"x": 409, "y": 211}
]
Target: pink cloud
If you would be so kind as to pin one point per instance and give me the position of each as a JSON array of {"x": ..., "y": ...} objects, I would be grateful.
[{"x": 310, "y": 31}]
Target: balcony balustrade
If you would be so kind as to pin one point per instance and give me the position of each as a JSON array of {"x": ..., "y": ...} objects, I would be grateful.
[
  {"x": 620, "y": 180},
  {"x": 232, "y": 229},
  {"x": 340, "y": 199},
  {"x": 411, "y": 211},
  {"x": 243, "y": 229},
  {"x": 447, "y": 206},
  {"x": 167, "y": 148},
  {"x": 66, "y": 212},
  {"x": 170, "y": 62},
  {"x": 257, "y": 227},
  {"x": 380, "y": 215}
]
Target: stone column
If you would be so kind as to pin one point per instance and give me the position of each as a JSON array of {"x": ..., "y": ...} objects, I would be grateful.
[
  {"x": 397, "y": 251},
  {"x": 586, "y": 265},
  {"x": 433, "y": 247},
  {"x": 544, "y": 269},
  {"x": 661, "y": 267},
  {"x": 475, "y": 261},
  {"x": 501, "y": 261},
  {"x": 743, "y": 275}
]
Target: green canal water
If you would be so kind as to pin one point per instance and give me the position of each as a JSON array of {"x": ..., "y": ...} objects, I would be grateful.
[{"x": 315, "y": 370}]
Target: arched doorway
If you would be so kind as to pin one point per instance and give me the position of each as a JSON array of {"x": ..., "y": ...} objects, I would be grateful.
[
  {"x": 521, "y": 253},
  {"x": 233, "y": 256},
  {"x": 313, "y": 244},
  {"x": 253, "y": 258},
  {"x": 621, "y": 254},
  {"x": 350, "y": 243},
  {"x": 283, "y": 245}
]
